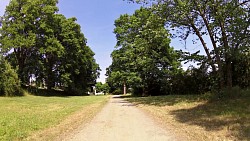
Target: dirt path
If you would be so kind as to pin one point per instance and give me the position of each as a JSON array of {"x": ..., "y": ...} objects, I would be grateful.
[{"x": 121, "y": 121}]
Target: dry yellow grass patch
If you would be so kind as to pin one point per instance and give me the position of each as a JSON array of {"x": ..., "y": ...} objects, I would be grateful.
[{"x": 195, "y": 119}]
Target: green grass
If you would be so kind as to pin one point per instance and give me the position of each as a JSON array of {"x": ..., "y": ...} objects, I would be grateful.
[
  {"x": 22, "y": 116},
  {"x": 226, "y": 118}
]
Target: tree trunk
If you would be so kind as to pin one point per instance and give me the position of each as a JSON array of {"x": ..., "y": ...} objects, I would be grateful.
[
  {"x": 204, "y": 46},
  {"x": 143, "y": 91},
  {"x": 50, "y": 83},
  {"x": 227, "y": 56},
  {"x": 50, "y": 76},
  {"x": 20, "y": 57},
  {"x": 217, "y": 53},
  {"x": 124, "y": 88},
  {"x": 229, "y": 74}
]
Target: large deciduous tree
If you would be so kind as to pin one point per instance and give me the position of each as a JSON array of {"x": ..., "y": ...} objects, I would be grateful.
[
  {"x": 78, "y": 68},
  {"x": 143, "y": 58},
  {"x": 46, "y": 47},
  {"x": 18, "y": 32},
  {"x": 225, "y": 23}
]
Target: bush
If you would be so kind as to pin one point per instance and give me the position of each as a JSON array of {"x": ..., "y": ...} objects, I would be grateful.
[
  {"x": 9, "y": 82},
  {"x": 117, "y": 92},
  {"x": 246, "y": 92}
]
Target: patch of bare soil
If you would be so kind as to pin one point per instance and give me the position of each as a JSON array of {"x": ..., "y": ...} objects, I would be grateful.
[{"x": 120, "y": 120}]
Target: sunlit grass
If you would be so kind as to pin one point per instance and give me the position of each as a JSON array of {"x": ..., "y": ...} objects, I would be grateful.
[{"x": 21, "y": 116}]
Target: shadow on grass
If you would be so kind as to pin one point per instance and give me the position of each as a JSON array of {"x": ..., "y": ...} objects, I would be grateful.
[
  {"x": 234, "y": 115},
  {"x": 164, "y": 100},
  {"x": 231, "y": 115},
  {"x": 47, "y": 93}
]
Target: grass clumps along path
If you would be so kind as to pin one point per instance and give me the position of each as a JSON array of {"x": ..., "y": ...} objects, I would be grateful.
[
  {"x": 199, "y": 117},
  {"x": 31, "y": 117}
]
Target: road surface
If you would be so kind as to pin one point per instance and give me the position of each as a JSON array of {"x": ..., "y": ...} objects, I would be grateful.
[{"x": 120, "y": 120}]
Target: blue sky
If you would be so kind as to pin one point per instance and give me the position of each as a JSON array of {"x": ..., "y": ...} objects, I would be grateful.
[{"x": 96, "y": 18}]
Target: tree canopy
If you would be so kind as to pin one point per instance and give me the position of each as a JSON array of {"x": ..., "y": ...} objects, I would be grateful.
[
  {"x": 224, "y": 23},
  {"x": 47, "y": 48},
  {"x": 143, "y": 58}
]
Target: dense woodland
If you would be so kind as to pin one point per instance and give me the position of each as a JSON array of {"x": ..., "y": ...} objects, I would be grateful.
[
  {"x": 144, "y": 61},
  {"x": 43, "y": 49}
]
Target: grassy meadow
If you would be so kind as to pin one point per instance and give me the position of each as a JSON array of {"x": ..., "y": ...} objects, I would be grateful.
[
  {"x": 197, "y": 118},
  {"x": 30, "y": 117}
]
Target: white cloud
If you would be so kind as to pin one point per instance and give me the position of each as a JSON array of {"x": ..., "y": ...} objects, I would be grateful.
[{"x": 3, "y": 4}]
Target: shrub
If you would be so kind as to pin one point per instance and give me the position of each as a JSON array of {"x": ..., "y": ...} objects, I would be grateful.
[
  {"x": 9, "y": 82},
  {"x": 117, "y": 92}
]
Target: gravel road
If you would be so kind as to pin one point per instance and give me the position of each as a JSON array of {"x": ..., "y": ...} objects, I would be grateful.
[{"x": 120, "y": 120}]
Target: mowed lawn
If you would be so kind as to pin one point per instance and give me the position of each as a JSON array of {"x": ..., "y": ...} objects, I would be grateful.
[
  {"x": 22, "y": 117},
  {"x": 195, "y": 118}
]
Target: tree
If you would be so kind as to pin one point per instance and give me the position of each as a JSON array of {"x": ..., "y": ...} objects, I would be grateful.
[
  {"x": 50, "y": 48},
  {"x": 47, "y": 47},
  {"x": 17, "y": 32},
  {"x": 225, "y": 23},
  {"x": 78, "y": 68},
  {"x": 102, "y": 87},
  {"x": 143, "y": 58},
  {"x": 9, "y": 82}
]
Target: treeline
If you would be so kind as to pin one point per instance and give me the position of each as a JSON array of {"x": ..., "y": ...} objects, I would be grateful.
[
  {"x": 144, "y": 61},
  {"x": 46, "y": 49}
]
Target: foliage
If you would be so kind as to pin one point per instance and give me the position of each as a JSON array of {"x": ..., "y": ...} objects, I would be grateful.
[
  {"x": 46, "y": 47},
  {"x": 9, "y": 82},
  {"x": 223, "y": 24},
  {"x": 117, "y": 92},
  {"x": 143, "y": 47},
  {"x": 192, "y": 81},
  {"x": 241, "y": 69},
  {"x": 102, "y": 87},
  {"x": 143, "y": 58}
]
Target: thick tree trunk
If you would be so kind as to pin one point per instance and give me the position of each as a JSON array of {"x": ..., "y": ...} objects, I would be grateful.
[
  {"x": 50, "y": 83},
  {"x": 50, "y": 75},
  {"x": 227, "y": 56}
]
